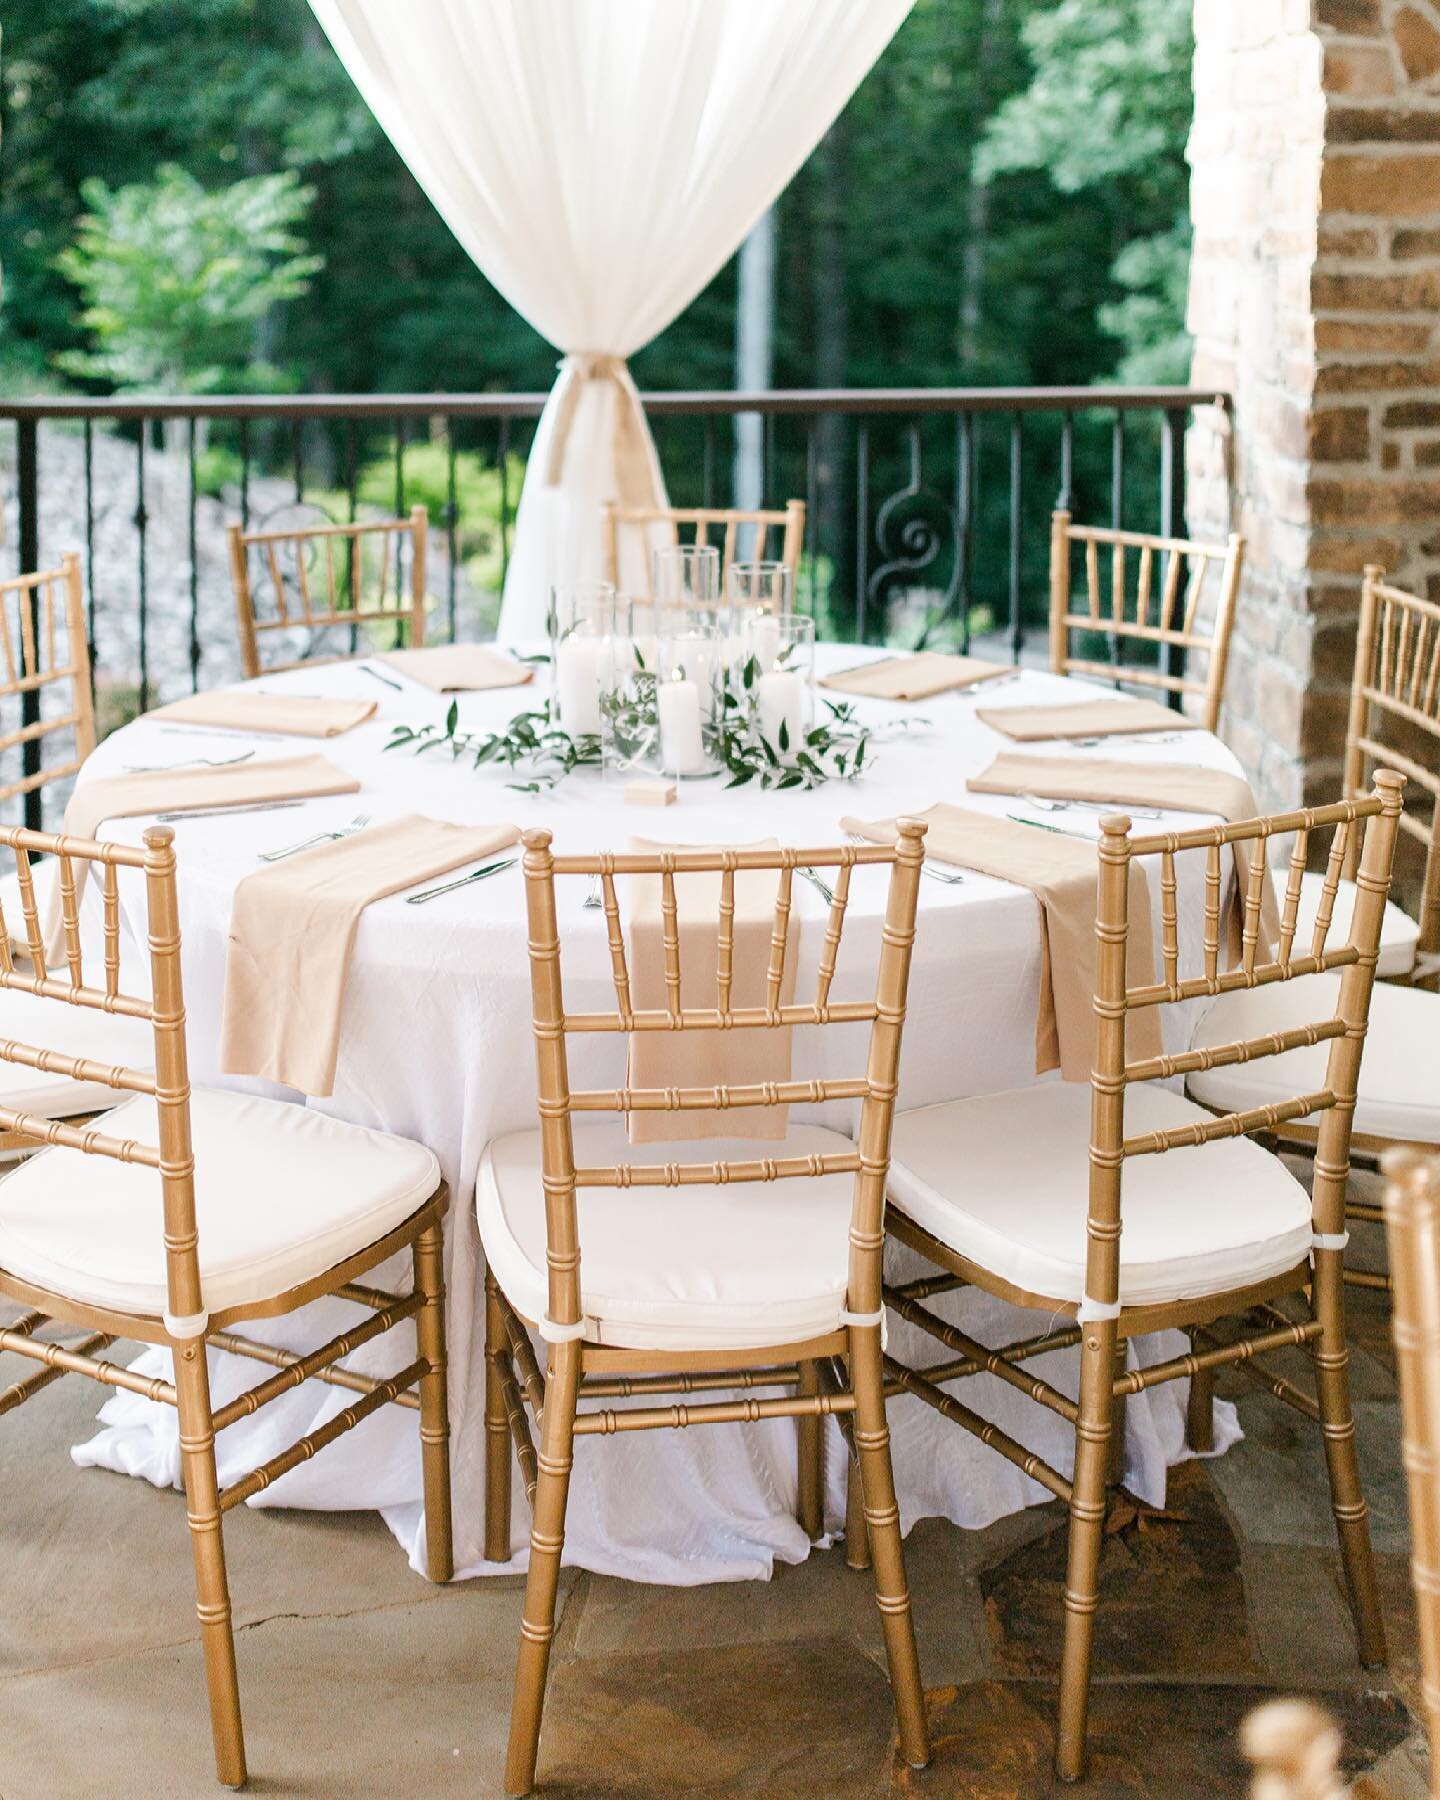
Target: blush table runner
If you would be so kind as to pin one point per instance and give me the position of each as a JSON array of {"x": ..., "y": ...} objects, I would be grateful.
[
  {"x": 292, "y": 929},
  {"x": 915, "y": 677},
  {"x": 1062, "y": 873},
  {"x": 707, "y": 1058},
  {"x": 183, "y": 790},
  {"x": 1085, "y": 718},
  {"x": 1181, "y": 787},
  {"x": 294, "y": 715},
  {"x": 458, "y": 668}
]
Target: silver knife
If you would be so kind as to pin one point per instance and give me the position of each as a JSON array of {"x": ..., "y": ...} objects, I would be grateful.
[
  {"x": 220, "y": 812},
  {"x": 446, "y": 887}
]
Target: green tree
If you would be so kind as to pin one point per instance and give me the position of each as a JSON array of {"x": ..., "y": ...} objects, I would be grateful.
[
  {"x": 1106, "y": 114},
  {"x": 177, "y": 277}
]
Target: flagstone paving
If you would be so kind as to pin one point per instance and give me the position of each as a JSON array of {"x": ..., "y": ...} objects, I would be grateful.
[{"x": 360, "y": 1679}]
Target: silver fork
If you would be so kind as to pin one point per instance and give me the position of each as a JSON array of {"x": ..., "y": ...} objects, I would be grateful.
[
  {"x": 1149, "y": 737},
  {"x": 822, "y": 887},
  {"x": 594, "y": 895},
  {"x": 198, "y": 762},
  {"x": 951, "y": 877},
  {"x": 358, "y": 823},
  {"x": 1100, "y": 806}
]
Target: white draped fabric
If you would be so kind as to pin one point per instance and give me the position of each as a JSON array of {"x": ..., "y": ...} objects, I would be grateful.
[{"x": 600, "y": 160}]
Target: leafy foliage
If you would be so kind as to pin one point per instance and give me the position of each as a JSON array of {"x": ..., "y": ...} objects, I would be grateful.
[
  {"x": 1106, "y": 113},
  {"x": 176, "y": 278},
  {"x": 836, "y": 749}
]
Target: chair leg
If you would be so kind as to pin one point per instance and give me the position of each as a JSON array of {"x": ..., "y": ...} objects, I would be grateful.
[
  {"x": 882, "y": 1517},
  {"x": 212, "y": 1588},
  {"x": 434, "y": 1404},
  {"x": 1087, "y": 1520},
  {"x": 547, "y": 1539},
  {"x": 810, "y": 1454},
  {"x": 1118, "y": 1406},
  {"x": 497, "y": 1431},
  {"x": 1200, "y": 1411},
  {"x": 1337, "y": 1425},
  {"x": 857, "y": 1537}
]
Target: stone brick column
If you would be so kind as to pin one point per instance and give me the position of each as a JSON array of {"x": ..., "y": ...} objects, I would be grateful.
[{"x": 1315, "y": 301}]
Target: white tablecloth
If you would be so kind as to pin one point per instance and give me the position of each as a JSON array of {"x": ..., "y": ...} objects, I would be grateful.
[{"x": 436, "y": 1045}]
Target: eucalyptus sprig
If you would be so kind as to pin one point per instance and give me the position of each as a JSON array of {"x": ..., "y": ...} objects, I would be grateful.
[
  {"x": 532, "y": 739},
  {"x": 834, "y": 749}
]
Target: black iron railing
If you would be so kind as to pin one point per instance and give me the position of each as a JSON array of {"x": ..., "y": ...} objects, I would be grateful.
[{"x": 927, "y": 508}]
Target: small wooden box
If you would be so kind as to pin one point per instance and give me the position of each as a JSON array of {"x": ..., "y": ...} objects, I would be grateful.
[{"x": 650, "y": 793}]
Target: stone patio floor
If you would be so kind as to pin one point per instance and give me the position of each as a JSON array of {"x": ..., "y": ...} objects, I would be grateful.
[{"x": 359, "y": 1679}]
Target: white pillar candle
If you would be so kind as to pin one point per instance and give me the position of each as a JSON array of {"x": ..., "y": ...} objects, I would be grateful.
[
  {"x": 766, "y": 641},
  {"x": 781, "y": 699},
  {"x": 577, "y": 684},
  {"x": 682, "y": 750}
]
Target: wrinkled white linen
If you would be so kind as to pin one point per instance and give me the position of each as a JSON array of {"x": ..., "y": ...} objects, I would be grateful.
[
  {"x": 436, "y": 1045},
  {"x": 600, "y": 162}
]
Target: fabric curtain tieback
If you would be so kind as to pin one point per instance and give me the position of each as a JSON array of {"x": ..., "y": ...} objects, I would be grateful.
[{"x": 634, "y": 468}]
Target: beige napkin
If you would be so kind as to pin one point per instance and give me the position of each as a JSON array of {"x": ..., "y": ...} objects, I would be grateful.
[
  {"x": 1178, "y": 785},
  {"x": 459, "y": 668},
  {"x": 1085, "y": 718},
  {"x": 296, "y": 715},
  {"x": 291, "y": 931},
  {"x": 915, "y": 677},
  {"x": 708, "y": 1058},
  {"x": 182, "y": 790},
  {"x": 1062, "y": 873}
]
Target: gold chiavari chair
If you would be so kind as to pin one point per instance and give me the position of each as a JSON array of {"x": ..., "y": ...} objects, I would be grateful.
[
  {"x": 1397, "y": 1102},
  {"x": 706, "y": 1288},
  {"x": 42, "y": 641},
  {"x": 1164, "y": 612},
  {"x": 321, "y": 578},
  {"x": 728, "y": 522},
  {"x": 1412, "y": 1215},
  {"x": 1395, "y": 720},
  {"x": 174, "y": 1215},
  {"x": 994, "y": 1192}
]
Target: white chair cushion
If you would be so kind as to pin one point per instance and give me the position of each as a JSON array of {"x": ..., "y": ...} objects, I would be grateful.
[
  {"x": 44, "y": 879},
  {"x": 73, "y": 1031},
  {"x": 1398, "y": 1095},
  {"x": 1399, "y": 933},
  {"x": 678, "y": 1268},
  {"x": 1004, "y": 1181},
  {"x": 281, "y": 1195}
]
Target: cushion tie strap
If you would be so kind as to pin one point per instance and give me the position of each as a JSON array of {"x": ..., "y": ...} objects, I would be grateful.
[
  {"x": 185, "y": 1325},
  {"x": 554, "y": 1333},
  {"x": 1095, "y": 1312},
  {"x": 863, "y": 1321},
  {"x": 1329, "y": 1240}
]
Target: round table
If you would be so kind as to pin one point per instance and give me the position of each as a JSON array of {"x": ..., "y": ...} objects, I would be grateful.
[{"x": 436, "y": 1046}]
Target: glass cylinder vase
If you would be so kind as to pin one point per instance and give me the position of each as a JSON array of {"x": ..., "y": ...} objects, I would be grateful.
[
  {"x": 778, "y": 673},
  {"x": 687, "y": 696},
  {"x": 583, "y": 627}
]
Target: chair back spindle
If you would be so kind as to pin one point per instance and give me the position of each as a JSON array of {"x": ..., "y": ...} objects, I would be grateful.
[
  {"x": 43, "y": 651},
  {"x": 1343, "y": 1030},
  {"x": 1165, "y": 612},
  {"x": 1395, "y": 721},
  {"x": 883, "y": 1012},
  {"x": 313, "y": 580},
  {"x": 620, "y": 525},
  {"x": 1412, "y": 1219},
  {"x": 169, "y": 1083}
]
